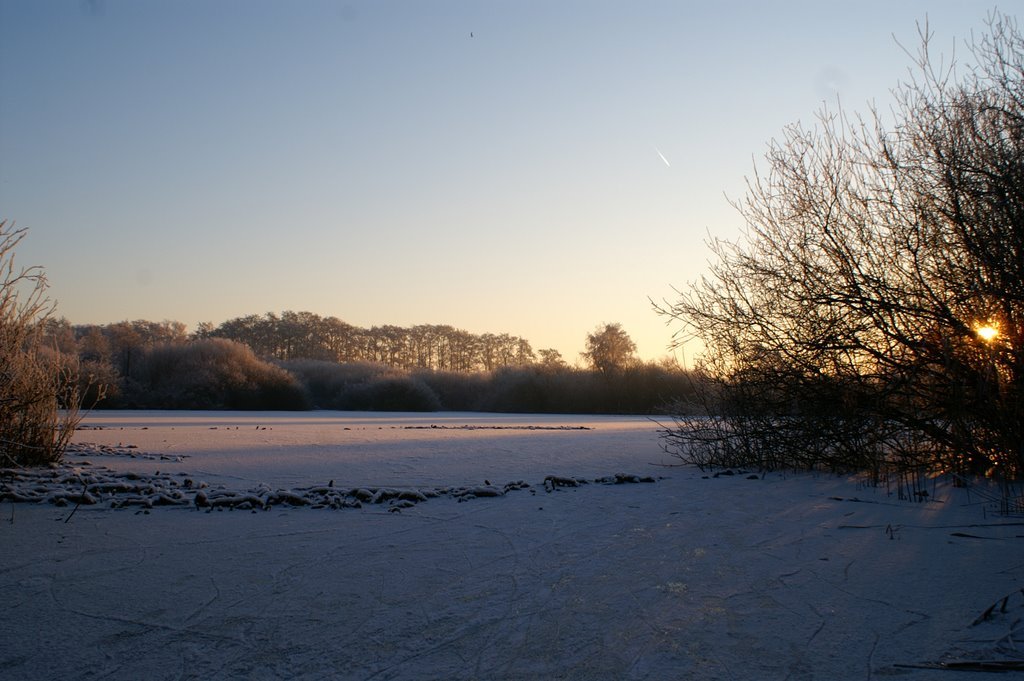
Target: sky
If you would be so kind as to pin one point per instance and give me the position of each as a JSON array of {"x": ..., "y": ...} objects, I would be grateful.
[{"x": 538, "y": 168}]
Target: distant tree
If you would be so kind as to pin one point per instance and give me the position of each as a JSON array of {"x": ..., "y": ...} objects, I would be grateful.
[
  {"x": 259, "y": 333},
  {"x": 340, "y": 340},
  {"x": 489, "y": 347},
  {"x": 465, "y": 351},
  {"x": 93, "y": 344},
  {"x": 390, "y": 345},
  {"x": 59, "y": 335},
  {"x": 126, "y": 345},
  {"x": 422, "y": 346},
  {"x": 203, "y": 330},
  {"x": 129, "y": 339},
  {"x": 609, "y": 349},
  {"x": 524, "y": 352},
  {"x": 550, "y": 358}
]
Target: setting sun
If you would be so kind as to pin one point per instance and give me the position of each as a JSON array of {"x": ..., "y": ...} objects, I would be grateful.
[{"x": 987, "y": 332}]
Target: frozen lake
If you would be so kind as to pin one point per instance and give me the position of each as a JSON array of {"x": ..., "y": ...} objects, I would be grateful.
[
  {"x": 365, "y": 448},
  {"x": 793, "y": 576}
]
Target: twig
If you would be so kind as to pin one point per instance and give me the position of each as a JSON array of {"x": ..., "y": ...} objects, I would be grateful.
[
  {"x": 969, "y": 666},
  {"x": 85, "y": 489},
  {"x": 999, "y": 603}
]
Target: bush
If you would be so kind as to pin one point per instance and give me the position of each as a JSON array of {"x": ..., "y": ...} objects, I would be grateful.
[
  {"x": 212, "y": 373},
  {"x": 330, "y": 384},
  {"x": 362, "y": 386},
  {"x": 457, "y": 391},
  {"x": 98, "y": 383},
  {"x": 521, "y": 389},
  {"x": 34, "y": 384},
  {"x": 393, "y": 393},
  {"x": 639, "y": 389},
  {"x": 222, "y": 374}
]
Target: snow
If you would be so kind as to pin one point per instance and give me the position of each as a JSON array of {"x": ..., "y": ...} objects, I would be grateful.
[{"x": 482, "y": 559}]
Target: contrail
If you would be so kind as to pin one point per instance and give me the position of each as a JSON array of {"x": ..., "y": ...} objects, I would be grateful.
[{"x": 662, "y": 157}]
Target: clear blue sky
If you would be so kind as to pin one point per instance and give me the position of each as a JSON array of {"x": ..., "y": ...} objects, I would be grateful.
[{"x": 199, "y": 160}]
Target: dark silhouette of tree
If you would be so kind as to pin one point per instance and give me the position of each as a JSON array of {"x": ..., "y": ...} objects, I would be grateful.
[{"x": 844, "y": 327}]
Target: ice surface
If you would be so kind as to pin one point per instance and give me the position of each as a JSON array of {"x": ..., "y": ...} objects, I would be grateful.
[{"x": 786, "y": 576}]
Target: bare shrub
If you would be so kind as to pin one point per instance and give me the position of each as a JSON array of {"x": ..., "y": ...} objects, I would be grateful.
[
  {"x": 39, "y": 394},
  {"x": 98, "y": 383}
]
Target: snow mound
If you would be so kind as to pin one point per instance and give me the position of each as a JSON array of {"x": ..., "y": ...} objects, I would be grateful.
[
  {"x": 89, "y": 485},
  {"x": 130, "y": 451}
]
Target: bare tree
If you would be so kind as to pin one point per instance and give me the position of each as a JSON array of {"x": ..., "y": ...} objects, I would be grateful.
[{"x": 874, "y": 308}]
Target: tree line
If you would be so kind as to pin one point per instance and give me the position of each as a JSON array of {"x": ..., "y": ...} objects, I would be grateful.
[
  {"x": 299, "y": 360},
  {"x": 306, "y": 335}
]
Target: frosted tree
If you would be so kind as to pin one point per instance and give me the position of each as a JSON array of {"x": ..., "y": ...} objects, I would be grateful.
[
  {"x": 39, "y": 397},
  {"x": 609, "y": 349}
]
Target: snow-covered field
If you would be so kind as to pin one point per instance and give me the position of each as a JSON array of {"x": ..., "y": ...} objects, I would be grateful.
[{"x": 210, "y": 570}]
